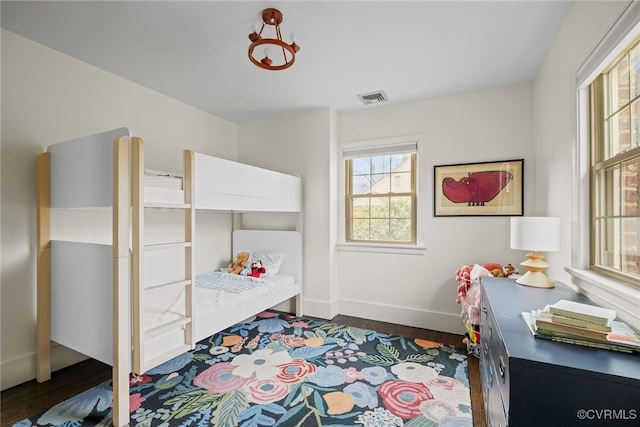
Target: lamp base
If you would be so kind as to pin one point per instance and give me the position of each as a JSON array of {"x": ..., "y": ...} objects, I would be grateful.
[{"x": 535, "y": 277}]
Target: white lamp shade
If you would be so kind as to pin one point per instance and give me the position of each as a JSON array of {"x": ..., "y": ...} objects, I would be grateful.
[{"x": 535, "y": 233}]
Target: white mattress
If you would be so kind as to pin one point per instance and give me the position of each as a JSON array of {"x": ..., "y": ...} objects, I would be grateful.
[
  {"x": 164, "y": 306},
  {"x": 155, "y": 178},
  {"x": 162, "y": 187}
]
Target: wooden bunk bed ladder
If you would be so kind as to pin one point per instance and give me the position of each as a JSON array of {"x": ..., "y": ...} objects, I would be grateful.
[{"x": 142, "y": 358}]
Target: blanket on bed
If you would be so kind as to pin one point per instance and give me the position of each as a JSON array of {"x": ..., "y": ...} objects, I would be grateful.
[{"x": 227, "y": 282}]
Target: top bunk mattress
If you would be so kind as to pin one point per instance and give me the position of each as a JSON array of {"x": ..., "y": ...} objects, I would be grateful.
[{"x": 163, "y": 187}]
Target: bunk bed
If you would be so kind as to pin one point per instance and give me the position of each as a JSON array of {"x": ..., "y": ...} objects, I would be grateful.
[{"x": 94, "y": 298}]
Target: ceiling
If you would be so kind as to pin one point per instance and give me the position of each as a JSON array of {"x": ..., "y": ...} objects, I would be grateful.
[{"x": 196, "y": 51}]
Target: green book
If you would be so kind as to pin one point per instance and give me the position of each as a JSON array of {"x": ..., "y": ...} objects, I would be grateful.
[
  {"x": 580, "y": 311},
  {"x": 570, "y": 321}
]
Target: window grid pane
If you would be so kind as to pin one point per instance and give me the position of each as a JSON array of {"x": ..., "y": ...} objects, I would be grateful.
[
  {"x": 630, "y": 247},
  {"x": 380, "y": 183},
  {"x": 635, "y": 123},
  {"x": 618, "y": 135},
  {"x": 630, "y": 202},
  {"x": 611, "y": 192},
  {"x": 619, "y": 85},
  {"x": 361, "y": 184},
  {"x": 634, "y": 76}
]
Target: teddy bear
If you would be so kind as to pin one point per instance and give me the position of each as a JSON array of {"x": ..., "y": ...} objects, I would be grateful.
[
  {"x": 242, "y": 260},
  {"x": 257, "y": 269},
  {"x": 496, "y": 270}
]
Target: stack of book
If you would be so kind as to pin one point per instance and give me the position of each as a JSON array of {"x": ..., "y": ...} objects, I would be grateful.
[{"x": 583, "y": 324}]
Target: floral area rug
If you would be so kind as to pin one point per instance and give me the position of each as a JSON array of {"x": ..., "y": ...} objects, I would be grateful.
[{"x": 279, "y": 370}]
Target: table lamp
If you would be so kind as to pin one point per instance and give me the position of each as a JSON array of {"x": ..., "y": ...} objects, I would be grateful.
[{"x": 535, "y": 234}]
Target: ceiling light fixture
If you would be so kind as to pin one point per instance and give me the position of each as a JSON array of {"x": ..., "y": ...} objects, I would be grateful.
[{"x": 272, "y": 17}]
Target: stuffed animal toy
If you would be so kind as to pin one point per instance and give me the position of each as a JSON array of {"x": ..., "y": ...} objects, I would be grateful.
[
  {"x": 242, "y": 260},
  {"x": 495, "y": 269},
  {"x": 509, "y": 270},
  {"x": 257, "y": 269},
  {"x": 468, "y": 295}
]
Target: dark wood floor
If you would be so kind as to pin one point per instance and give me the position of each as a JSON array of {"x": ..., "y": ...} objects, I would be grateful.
[{"x": 31, "y": 398}]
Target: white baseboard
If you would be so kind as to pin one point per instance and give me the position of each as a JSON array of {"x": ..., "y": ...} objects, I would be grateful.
[
  {"x": 425, "y": 319},
  {"x": 23, "y": 368},
  {"x": 320, "y": 309}
]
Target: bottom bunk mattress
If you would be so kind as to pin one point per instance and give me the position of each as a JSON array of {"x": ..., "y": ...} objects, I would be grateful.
[{"x": 220, "y": 300}]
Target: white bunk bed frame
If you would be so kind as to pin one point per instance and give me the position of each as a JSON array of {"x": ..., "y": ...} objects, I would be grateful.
[{"x": 107, "y": 170}]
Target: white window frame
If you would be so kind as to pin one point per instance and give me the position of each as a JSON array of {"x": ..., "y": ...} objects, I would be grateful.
[
  {"x": 601, "y": 289},
  {"x": 421, "y": 186}
]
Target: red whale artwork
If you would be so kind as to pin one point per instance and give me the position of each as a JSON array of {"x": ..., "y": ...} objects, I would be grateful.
[{"x": 476, "y": 189}]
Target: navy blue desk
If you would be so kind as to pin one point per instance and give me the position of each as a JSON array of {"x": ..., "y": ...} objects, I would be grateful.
[{"x": 530, "y": 381}]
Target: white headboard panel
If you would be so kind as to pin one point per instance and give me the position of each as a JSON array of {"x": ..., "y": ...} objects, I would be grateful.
[
  {"x": 226, "y": 185},
  {"x": 82, "y": 170},
  {"x": 287, "y": 242}
]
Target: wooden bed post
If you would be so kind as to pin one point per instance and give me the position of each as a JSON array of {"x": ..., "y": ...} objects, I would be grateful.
[
  {"x": 121, "y": 286},
  {"x": 137, "y": 265},
  {"x": 189, "y": 234},
  {"x": 43, "y": 305}
]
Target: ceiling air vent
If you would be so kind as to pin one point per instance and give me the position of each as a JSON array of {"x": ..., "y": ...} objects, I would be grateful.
[{"x": 373, "y": 97}]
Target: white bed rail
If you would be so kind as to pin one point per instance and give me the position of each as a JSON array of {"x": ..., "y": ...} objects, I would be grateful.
[{"x": 231, "y": 186}]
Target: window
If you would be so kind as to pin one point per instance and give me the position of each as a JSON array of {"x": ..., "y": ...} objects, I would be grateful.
[
  {"x": 615, "y": 168},
  {"x": 380, "y": 194}
]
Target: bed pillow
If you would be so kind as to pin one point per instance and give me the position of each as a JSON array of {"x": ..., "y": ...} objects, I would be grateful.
[{"x": 270, "y": 261}]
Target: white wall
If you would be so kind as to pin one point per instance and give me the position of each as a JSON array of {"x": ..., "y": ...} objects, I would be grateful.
[
  {"x": 420, "y": 290},
  {"x": 48, "y": 97},
  {"x": 301, "y": 144}
]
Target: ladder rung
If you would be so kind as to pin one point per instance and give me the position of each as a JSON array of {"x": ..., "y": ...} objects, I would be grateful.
[
  {"x": 155, "y": 361},
  {"x": 167, "y": 205},
  {"x": 174, "y": 324},
  {"x": 168, "y": 285},
  {"x": 160, "y": 246}
]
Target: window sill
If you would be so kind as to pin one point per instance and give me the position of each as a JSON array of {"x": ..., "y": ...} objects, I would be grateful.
[
  {"x": 381, "y": 248},
  {"x": 608, "y": 292}
]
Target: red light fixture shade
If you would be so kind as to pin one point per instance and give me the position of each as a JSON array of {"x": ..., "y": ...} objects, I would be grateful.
[{"x": 285, "y": 54}]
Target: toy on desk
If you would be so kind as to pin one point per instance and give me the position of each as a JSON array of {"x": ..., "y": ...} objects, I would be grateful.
[{"x": 498, "y": 270}]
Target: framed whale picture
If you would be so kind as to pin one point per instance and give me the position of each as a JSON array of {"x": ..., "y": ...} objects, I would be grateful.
[{"x": 479, "y": 189}]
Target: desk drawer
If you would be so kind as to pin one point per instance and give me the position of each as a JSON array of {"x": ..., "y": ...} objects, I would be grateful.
[
  {"x": 500, "y": 363},
  {"x": 495, "y": 411},
  {"x": 494, "y": 365}
]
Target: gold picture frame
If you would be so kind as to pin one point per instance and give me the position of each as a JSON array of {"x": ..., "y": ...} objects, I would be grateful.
[{"x": 479, "y": 189}]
